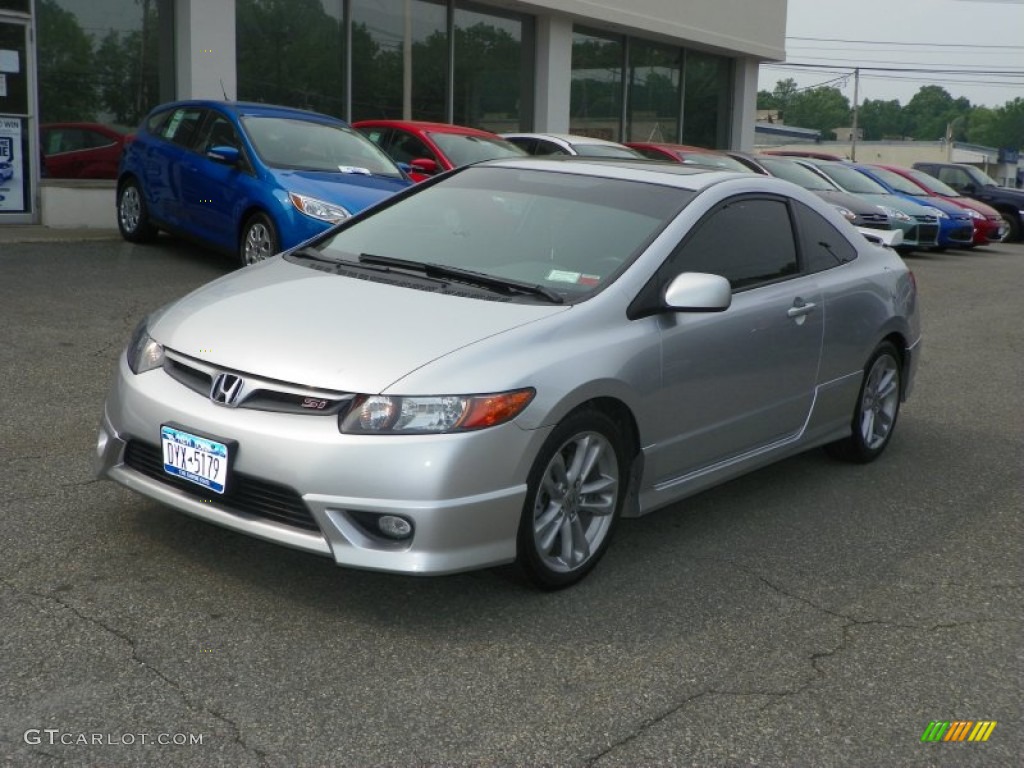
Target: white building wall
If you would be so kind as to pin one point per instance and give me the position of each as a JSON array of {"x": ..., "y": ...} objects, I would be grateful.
[
  {"x": 204, "y": 46},
  {"x": 753, "y": 27}
]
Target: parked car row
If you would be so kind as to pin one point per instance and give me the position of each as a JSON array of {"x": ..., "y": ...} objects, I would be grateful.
[{"x": 255, "y": 179}]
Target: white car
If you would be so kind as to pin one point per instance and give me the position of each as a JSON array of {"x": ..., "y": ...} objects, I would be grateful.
[{"x": 569, "y": 144}]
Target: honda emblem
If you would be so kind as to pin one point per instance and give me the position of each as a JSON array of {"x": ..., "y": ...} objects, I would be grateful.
[{"x": 226, "y": 388}]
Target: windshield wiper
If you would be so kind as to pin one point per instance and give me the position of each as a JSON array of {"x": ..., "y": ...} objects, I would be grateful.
[{"x": 497, "y": 284}]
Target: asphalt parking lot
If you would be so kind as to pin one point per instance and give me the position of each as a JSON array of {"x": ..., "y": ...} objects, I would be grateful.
[{"x": 810, "y": 614}]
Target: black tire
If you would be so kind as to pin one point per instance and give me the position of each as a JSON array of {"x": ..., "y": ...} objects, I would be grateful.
[
  {"x": 877, "y": 408},
  {"x": 259, "y": 240},
  {"x": 1012, "y": 223},
  {"x": 132, "y": 216},
  {"x": 580, "y": 523}
]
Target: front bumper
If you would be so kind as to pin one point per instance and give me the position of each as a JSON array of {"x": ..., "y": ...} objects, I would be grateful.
[{"x": 463, "y": 493}]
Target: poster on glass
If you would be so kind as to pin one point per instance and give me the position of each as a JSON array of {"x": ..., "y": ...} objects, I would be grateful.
[{"x": 12, "y": 196}]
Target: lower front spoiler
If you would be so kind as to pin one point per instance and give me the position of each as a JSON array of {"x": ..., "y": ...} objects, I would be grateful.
[{"x": 450, "y": 535}]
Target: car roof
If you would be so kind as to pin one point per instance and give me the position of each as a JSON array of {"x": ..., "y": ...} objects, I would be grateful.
[
  {"x": 425, "y": 125},
  {"x": 244, "y": 108},
  {"x": 690, "y": 177},
  {"x": 677, "y": 147},
  {"x": 568, "y": 138}
]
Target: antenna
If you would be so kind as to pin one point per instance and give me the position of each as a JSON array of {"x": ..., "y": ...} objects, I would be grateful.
[{"x": 224, "y": 90}]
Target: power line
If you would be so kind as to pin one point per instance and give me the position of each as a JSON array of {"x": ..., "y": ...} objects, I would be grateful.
[
  {"x": 927, "y": 71},
  {"x": 903, "y": 43}
]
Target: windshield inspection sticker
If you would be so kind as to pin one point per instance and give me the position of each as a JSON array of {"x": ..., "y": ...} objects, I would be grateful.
[
  {"x": 562, "y": 276},
  {"x": 354, "y": 169}
]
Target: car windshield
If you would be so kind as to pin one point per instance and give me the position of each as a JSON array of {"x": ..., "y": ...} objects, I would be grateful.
[
  {"x": 463, "y": 149},
  {"x": 605, "y": 150},
  {"x": 897, "y": 182},
  {"x": 715, "y": 160},
  {"x": 570, "y": 233},
  {"x": 311, "y": 146},
  {"x": 796, "y": 173},
  {"x": 933, "y": 185},
  {"x": 852, "y": 180}
]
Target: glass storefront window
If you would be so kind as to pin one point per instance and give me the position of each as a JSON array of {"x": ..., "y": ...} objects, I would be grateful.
[
  {"x": 655, "y": 72},
  {"x": 493, "y": 83},
  {"x": 595, "y": 102},
  {"x": 291, "y": 53},
  {"x": 707, "y": 100},
  {"x": 394, "y": 42},
  {"x": 98, "y": 62}
]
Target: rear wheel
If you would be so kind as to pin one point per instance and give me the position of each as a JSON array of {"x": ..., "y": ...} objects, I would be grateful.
[
  {"x": 132, "y": 217},
  {"x": 878, "y": 406},
  {"x": 574, "y": 495},
  {"x": 259, "y": 240}
]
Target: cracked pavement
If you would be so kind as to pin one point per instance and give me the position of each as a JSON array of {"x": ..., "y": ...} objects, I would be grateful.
[{"x": 810, "y": 614}]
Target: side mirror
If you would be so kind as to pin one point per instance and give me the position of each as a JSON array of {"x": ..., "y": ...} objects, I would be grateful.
[
  {"x": 698, "y": 292},
  {"x": 224, "y": 154},
  {"x": 424, "y": 165}
]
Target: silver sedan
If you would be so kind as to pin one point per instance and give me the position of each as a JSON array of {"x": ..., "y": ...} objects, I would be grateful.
[{"x": 500, "y": 363}]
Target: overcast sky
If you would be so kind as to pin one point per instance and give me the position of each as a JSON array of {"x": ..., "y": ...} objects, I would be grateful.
[{"x": 963, "y": 35}]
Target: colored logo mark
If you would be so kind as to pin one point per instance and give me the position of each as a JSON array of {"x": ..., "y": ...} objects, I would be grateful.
[{"x": 958, "y": 730}]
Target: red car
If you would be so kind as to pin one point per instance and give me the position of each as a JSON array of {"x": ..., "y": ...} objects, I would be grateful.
[
  {"x": 682, "y": 153},
  {"x": 988, "y": 222},
  {"x": 430, "y": 148},
  {"x": 81, "y": 150}
]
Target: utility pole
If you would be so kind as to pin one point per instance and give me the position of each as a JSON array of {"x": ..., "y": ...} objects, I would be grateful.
[{"x": 856, "y": 104}]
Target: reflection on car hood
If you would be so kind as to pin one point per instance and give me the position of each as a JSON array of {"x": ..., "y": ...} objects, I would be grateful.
[
  {"x": 304, "y": 326},
  {"x": 354, "y": 191}
]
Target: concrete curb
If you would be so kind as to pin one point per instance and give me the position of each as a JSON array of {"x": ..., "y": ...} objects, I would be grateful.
[{"x": 36, "y": 233}]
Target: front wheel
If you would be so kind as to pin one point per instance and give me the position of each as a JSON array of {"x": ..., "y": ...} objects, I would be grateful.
[
  {"x": 574, "y": 495},
  {"x": 878, "y": 405},
  {"x": 259, "y": 240},
  {"x": 132, "y": 216},
  {"x": 1011, "y": 230}
]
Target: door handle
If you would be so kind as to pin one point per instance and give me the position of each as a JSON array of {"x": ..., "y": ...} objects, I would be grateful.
[{"x": 800, "y": 308}]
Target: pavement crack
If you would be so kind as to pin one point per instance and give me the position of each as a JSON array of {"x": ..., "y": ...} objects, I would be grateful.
[{"x": 128, "y": 640}]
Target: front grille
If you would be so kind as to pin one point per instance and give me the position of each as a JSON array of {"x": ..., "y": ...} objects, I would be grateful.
[
  {"x": 258, "y": 394},
  {"x": 962, "y": 234},
  {"x": 875, "y": 218},
  {"x": 928, "y": 234},
  {"x": 244, "y": 494}
]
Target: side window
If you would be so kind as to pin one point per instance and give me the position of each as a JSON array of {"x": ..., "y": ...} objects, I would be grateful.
[
  {"x": 955, "y": 177},
  {"x": 95, "y": 139},
  {"x": 155, "y": 123},
  {"x": 181, "y": 128},
  {"x": 376, "y": 135},
  {"x": 548, "y": 148},
  {"x": 650, "y": 154},
  {"x": 821, "y": 244},
  {"x": 749, "y": 241},
  {"x": 405, "y": 147},
  {"x": 218, "y": 132}
]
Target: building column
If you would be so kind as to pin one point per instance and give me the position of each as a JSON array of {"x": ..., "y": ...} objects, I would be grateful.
[
  {"x": 744, "y": 105},
  {"x": 204, "y": 49},
  {"x": 553, "y": 75}
]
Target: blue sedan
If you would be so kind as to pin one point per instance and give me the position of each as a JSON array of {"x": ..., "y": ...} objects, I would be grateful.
[
  {"x": 956, "y": 228},
  {"x": 247, "y": 179}
]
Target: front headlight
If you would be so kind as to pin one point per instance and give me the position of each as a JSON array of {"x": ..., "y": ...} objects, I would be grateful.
[
  {"x": 846, "y": 213},
  {"x": 974, "y": 214},
  {"x": 387, "y": 415},
  {"x": 143, "y": 353},
  {"x": 894, "y": 214},
  {"x": 937, "y": 212},
  {"x": 318, "y": 209}
]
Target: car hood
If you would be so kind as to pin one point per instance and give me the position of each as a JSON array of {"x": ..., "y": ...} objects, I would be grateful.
[
  {"x": 897, "y": 202},
  {"x": 855, "y": 203},
  {"x": 284, "y": 321},
  {"x": 354, "y": 191}
]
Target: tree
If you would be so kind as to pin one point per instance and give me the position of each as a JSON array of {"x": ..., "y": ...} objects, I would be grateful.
[
  {"x": 65, "y": 62},
  {"x": 881, "y": 119},
  {"x": 999, "y": 127},
  {"x": 931, "y": 111},
  {"x": 822, "y": 108},
  {"x": 127, "y": 64},
  {"x": 783, "y": 94}
]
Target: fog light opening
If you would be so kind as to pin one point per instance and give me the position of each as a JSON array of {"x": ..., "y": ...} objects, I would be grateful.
[{"x": 394, "y": 527}]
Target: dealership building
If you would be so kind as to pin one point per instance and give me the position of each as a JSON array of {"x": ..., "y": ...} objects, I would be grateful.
[{"x": 648, "y": 70}]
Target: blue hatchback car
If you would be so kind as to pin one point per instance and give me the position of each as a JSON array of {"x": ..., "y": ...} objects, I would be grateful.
[
  {"x": 956, "y": 228},
  {"x": 247, "y": 179}
]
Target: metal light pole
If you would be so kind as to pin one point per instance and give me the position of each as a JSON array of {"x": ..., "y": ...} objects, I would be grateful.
[{"x": 856, "y": 99}]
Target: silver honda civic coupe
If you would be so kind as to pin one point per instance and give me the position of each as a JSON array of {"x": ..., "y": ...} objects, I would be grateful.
[{"x": 498, "y": 364}]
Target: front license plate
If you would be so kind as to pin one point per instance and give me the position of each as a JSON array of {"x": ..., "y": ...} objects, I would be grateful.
[{"x": 197, "y": 459}]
